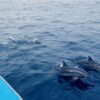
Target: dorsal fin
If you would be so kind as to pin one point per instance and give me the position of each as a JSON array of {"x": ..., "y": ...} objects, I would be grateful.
[
  {"x": 63, "y": 64},
  {"x": 90, "y": 58}
]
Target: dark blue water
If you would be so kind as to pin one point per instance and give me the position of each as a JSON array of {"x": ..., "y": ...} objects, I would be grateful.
[{"x": 36, "y": 35}]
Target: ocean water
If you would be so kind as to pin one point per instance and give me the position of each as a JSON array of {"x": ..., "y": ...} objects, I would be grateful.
[{"x": 36, "y": 35}]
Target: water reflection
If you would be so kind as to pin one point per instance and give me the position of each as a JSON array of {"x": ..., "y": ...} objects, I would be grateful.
[{"x": 69, "y": 84}]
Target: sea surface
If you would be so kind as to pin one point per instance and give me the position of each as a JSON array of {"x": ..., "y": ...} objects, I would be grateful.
[{"x": 37, "y": 35}]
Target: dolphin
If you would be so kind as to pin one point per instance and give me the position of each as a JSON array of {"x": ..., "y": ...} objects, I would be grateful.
[
  {"x": 36, "y": 41},
  {"x": 90, "y": 63},
  {"x": 74, "y": 72}
]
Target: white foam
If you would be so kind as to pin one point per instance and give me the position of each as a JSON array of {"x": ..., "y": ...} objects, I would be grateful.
[
  {"x": 12, "y": 38},
  {"x": 76, "y": 66}
]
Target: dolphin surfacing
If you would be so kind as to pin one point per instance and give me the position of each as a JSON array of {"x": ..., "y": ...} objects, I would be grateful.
[
  {"x": 74, "y": 72},
  {"x": 90, "y": 63}
]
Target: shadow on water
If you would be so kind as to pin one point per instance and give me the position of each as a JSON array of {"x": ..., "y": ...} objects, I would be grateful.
[{"x": 74, "y": 85}]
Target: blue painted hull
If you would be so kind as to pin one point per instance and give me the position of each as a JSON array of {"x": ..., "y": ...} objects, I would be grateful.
[{"x": 7, "y": 92}]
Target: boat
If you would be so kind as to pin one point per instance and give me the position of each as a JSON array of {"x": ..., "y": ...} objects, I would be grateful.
[{"x": 7, "y": 92}]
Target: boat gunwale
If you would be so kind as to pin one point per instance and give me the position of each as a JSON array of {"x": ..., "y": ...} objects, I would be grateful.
[{"x": 11, "y": 87}]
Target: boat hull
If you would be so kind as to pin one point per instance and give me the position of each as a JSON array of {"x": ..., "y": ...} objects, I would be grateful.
[{"x": 7, "y": 92}]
